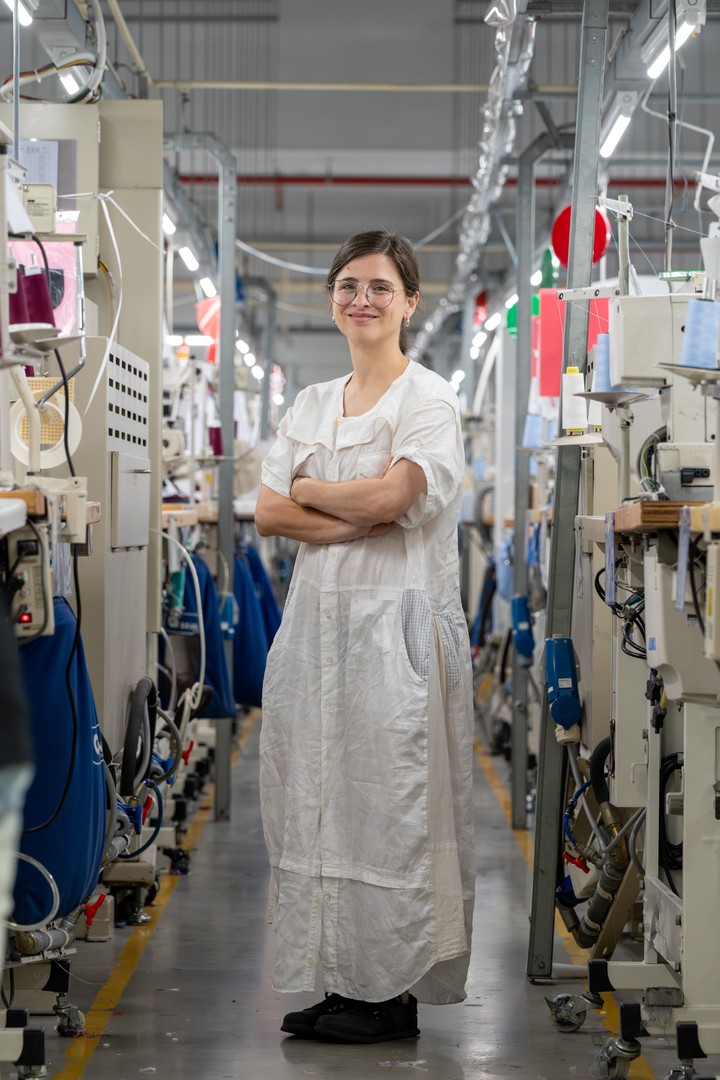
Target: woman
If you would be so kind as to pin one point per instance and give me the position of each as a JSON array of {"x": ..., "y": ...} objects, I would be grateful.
[{"x": 366, "y": 745}]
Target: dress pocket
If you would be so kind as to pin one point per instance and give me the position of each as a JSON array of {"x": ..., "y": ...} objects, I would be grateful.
[{"x": 370, "y": 625}]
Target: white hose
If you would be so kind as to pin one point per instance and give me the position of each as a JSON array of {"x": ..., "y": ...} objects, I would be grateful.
[
  {"x": 55, "y": 895},
  {"x": 195, "y": 694}
]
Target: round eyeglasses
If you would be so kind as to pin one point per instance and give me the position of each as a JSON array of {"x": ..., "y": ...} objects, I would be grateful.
[{"x": 378, "y": 293}]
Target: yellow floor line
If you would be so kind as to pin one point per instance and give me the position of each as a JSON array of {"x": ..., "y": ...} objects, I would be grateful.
[
  {"x": 639, "y": 1070},
  {"x": 108, "y": 997}
]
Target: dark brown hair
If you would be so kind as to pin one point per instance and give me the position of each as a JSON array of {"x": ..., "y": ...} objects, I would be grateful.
[{"x": 379, "y": 242}]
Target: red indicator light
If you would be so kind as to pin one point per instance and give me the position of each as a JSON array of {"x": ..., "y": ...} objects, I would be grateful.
[{"x": 26, "y": 617}]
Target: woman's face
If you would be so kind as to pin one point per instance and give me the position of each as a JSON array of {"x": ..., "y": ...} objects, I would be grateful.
[{"x": 364, "y": 319}]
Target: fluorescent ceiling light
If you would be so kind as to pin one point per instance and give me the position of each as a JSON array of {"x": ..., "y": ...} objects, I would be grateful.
[
  {"x": 242, "y": 346},
  {"x": 657, "y": 65},
  {"x": 614, "y": 136},
  {"x": 457, "y": 376},
  {"x": 173, "y": 340},
  {"x": 479, "y": 339},
  {"x": 278, "y": 399},
  {"x": 258, "y": 373},
  {"x": 208, "y": 287},
  {"x": 199, "y": 339},
  {"x": 536, "y": 279},
  {"x": 493, "y": 322},
  {"x": 24, "y": 16},
  {"x": 511, "y": 301},
  {"x": 168, "y": 225},
  {"x": 188, "y": 257},
  {"x": 474, "y": 352},
  {"x": 70, "y": 83},
  {"x": 249, "y": 359}
]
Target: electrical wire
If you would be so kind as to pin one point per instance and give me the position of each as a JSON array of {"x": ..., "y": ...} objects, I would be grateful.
[{"x": 632, "y": 843}]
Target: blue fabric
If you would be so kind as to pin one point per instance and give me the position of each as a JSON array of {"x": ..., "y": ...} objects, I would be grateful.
[
  {"x": 71, "y": 848},
  {"x": 269, "y": 606},
  {"x": 250, "y": 646}
]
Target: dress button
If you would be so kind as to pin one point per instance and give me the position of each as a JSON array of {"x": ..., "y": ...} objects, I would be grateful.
[
  {"x": 328, "y": 614},
  {"x": 328, "y": 660}
]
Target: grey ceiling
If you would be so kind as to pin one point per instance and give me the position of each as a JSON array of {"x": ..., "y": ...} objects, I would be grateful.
[{"x": 315, "y": 166}]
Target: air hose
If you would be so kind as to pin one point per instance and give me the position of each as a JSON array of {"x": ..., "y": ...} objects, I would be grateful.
[
  {"x": 616, "y": 859},
  {"x": 140, "y": 729}
]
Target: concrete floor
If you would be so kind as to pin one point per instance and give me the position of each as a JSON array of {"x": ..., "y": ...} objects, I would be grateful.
[{"x": 198, "y": 1004}]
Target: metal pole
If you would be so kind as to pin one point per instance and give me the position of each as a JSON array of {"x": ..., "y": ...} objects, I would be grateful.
[
  {"x": 623, "y": 250},
  {"x": 525, "y": 249},
  {"x": 16, "y": 82},
  {"x": 562, "y": 550}
]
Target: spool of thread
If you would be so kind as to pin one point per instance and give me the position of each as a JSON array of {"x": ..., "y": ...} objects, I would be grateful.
[
  {"x": 18, "y": 303},
  {"x": 595, "y": 408},
  {"x": 37, "y": 297},
  {"x": 574, "y": 409},
  {"x": 702, "y": 331},
  {"x": 602, "y": 382}
]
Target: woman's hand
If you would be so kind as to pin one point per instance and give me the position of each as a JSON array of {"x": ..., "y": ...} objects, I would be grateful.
[{"x": 296, "y": 489}]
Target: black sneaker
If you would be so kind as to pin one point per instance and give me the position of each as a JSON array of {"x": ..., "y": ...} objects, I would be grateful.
[
  {"x": 370, "y": 1022},
  {"x": 303, "y": 1022}
]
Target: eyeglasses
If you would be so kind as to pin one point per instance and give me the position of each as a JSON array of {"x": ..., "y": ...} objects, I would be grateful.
[{"x": 378, "y": 293}]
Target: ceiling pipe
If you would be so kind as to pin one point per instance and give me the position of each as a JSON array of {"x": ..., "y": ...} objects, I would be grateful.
[{"x": 300, "y": 180}]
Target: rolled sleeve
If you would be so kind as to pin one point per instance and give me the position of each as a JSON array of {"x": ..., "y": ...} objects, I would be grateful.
[
  {"x": 277, "y": 467},
  {"x": 430, "y": 437}
]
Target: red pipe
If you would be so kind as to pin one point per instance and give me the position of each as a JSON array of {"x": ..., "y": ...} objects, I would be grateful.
[{"x": 288, "y": 180}]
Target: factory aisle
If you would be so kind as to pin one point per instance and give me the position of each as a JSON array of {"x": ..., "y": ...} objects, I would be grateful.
[{"x": 190, "y": 996}]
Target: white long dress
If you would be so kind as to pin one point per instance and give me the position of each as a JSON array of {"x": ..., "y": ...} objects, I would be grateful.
[{"x": 366, "y": 743}]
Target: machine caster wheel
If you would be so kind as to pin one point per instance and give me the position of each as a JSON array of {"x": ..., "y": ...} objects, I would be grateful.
[
  {"x": 31, "y": 1072},
  {"x": 71, "y": 1022},
  {"x": 568, "y": 1012},
  {"x": 613, "y": 1060}
]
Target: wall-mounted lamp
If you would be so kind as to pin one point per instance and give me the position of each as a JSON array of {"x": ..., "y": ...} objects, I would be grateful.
[{"x": 618, "y": 120}]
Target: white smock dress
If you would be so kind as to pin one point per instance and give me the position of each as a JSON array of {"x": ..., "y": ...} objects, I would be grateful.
[{"x": 366, "y": 746}]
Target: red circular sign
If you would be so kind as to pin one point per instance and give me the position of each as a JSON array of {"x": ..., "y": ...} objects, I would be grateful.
[{"x": 560, "y": 235}]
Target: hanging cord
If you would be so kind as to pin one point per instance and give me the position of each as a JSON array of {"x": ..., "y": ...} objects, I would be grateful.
[{"x": 693, "y": 555}]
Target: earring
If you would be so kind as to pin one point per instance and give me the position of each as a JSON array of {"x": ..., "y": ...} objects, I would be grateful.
[{"x": 407, "y": 320}]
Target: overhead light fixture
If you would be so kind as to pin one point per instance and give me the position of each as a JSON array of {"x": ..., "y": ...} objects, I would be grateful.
[
  {"x": 479, "y": 339},
  {"x": 617, "y": 121},
  {"x": 655, "y": 52},
  {"x": 457, "y": 376},
  {"x": 188, "y": 257},
  {"x": 70, "y": 83},
  {"x": 493, "y": 322},
  {"x": 536, "y": 278},
  {"x": 173, "y": 340},
  {"x": 242, "y": 346},
  {"x": 511, "y": 301},
  {"x": 24, "y": 16},
  {"x": 208, "y": 287},
  {"x": 249, "y": 359},
  {"x": 258, "y": 373},
  {"x": 199, "y": 340},
  {"x": 278, "y": 399},
  {"x": 474, "y": 352},
  {"x": 168, "y": 225}
]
